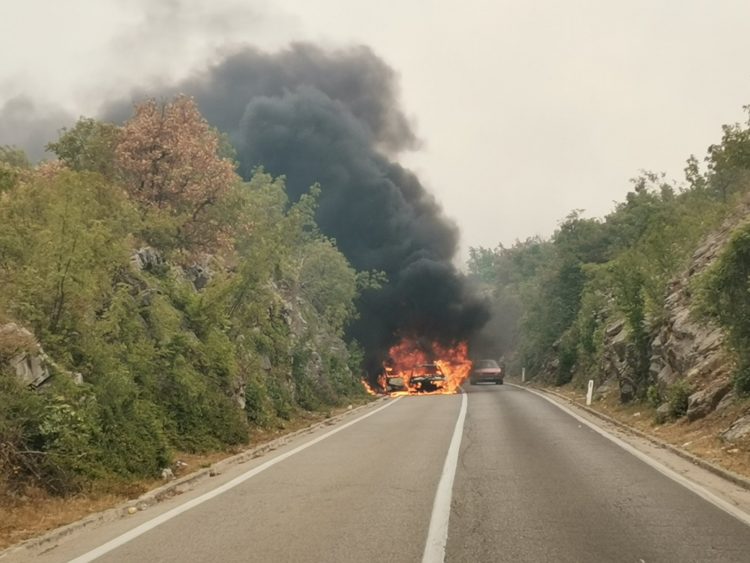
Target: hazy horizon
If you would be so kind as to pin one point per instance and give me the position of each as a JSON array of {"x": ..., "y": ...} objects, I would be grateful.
[{"x": 524, "y": 112}]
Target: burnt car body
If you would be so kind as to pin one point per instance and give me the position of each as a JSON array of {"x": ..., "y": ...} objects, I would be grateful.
[
  {"x": 426, "y": 378},
  {"x": 487, "y": 371},
  {"x": 391, "y": 380},
  {"x": 395, "y": 383}
]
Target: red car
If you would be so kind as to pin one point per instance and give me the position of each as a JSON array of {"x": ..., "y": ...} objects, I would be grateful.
[{"x": 487, "y": 370}]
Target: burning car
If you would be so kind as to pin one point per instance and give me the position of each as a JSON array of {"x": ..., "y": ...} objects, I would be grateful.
[
  {"x": 413, "y": 368},
  {"x": 487, "y": 370},
  {"x": 427, "y": 378}
]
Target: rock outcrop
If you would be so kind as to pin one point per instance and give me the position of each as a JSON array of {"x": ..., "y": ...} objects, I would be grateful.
[
  {"x": 738, "y": 430},
  {"x": 23, "y": 356},
  {"x": 689, "y": 349},
  {"x": 148, "y": 259},
  {"x": 20, "y": 353},
  {"x": 683, "y": 348}
]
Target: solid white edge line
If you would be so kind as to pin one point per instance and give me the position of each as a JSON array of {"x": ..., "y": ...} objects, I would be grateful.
[
  {"x": 151, "y": 524},
  {"x": 437, "y": 536},
  {"x": 695, "y": 488}
]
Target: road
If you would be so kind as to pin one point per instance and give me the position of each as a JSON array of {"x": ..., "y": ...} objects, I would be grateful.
[{"x": 531, "y": 484}]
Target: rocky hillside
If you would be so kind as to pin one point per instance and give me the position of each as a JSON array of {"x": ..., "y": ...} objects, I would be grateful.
[
  {"x": 690, "y": 365},
  {"x": 153, "y": 303},
  {"x": 652, "y": 301}
]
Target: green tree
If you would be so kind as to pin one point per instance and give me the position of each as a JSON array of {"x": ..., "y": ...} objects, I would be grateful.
[{"x": 88, "y": 146}]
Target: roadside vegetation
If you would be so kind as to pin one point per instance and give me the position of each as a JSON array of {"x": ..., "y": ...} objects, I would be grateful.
[
  {"x": 557, "y": 298},
  {"x": 170, "y": 305}
]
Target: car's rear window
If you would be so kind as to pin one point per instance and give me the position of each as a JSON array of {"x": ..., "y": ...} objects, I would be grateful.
[{"x": 487, "y": 364}]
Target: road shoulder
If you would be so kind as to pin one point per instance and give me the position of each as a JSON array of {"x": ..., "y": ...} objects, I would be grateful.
[
  {"x": 730, "y": 488},
  {"x": 190, "y": 483}
]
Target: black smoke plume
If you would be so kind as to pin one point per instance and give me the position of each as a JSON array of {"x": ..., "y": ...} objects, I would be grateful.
[{"x": 334, "y": 118}]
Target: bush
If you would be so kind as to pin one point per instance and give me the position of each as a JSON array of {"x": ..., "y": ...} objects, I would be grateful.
[
  {"x": 724, "y": 295},
  {"x": 677, "y": 397},
  {"x": 653, "y": 396}
]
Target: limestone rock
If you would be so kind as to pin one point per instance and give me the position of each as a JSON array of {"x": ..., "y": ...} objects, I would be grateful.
[
  {"x": 147, "y": 259},
  {"x": 23, "y": 355},
  {"x": 663, "y": 413},
  {"x": 199, "y": 274},
  {"x": 728, "y": 400},
  {"x": 703, "y": 402},
  {"x": 31, "y": 369},
  {"x": 739, "y": 429},
  {"x": 604, "y": 389},
  {"x": 614, "y": 329},
  {"x": 666, "y": 377}
]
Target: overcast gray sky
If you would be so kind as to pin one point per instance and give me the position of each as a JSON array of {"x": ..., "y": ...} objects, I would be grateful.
[{"x": 526, "y": 110}]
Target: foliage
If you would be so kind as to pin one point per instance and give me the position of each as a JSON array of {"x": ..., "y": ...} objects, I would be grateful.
[
  {"x": 89, "y": 146},
  {"x": 554, "y": 298},
  {"x": 168, "y": 363},
  {"x": 13, "y": 162},
  {"x": 169, "y": 159},
  {"x": 677, "y": 398},
  {"x": 725, "y": 297}
]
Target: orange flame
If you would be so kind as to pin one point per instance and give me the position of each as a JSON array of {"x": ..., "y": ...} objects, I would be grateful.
[
  {"x": 369, "y": 388},
  {"x": 410, "y": 358}
]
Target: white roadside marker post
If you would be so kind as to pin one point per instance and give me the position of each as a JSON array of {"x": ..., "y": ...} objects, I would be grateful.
[
  {"x": 590, "y": 392},
  {"x": 523, "y": 375}
]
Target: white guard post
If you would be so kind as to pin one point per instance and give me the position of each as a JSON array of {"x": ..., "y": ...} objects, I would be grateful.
[{"x": 590, "y": 392}]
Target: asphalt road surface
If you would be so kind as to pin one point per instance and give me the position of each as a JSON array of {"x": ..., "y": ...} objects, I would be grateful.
[{"x": 529, "y": 483}]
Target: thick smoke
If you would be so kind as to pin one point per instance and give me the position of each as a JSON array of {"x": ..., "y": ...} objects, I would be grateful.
[
  {"x": 29, "y": 125},
  {"x": 334, "y": 118}
]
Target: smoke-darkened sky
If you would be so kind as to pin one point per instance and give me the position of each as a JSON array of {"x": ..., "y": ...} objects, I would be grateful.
[
  {"x": 523, "y": 110},
  {"x": 332, "y": 117}
]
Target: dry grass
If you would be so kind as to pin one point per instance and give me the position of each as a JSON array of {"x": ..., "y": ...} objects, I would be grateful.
[
  {"x": 36, "y": 512},
  {"x": 700, "y": 437}
]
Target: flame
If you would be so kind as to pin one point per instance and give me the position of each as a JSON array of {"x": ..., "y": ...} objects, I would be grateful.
[
  {"x": 369, "y": 388},
  {"x": 409, "y": 358}
]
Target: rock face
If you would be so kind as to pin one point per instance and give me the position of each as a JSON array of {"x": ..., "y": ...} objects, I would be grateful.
[
  {"x": 26, "y": 357},
  {"x": 200, "y": 273},
  {"x": 616, "y": 364},
  {"x": 703, "y": 402},
  {"x": 21, "y": 354},
  {"x": 147, "y": 258},
  {"x": 31, "y": 369},
  {"x": 740, "y": 429},
  {"x": 683, "y": 348}
]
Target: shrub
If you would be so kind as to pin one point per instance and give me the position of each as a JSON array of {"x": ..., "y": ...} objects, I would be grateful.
[
  {"x": 677, "y": 397},
  {"x": 724, "y": 295}
]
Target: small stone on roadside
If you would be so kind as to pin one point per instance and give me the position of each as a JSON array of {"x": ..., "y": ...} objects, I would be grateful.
[{"x": 132, "y": 510}]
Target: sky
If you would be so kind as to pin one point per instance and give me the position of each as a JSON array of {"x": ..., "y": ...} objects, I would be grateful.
[{"x": 525, "y": 111}]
